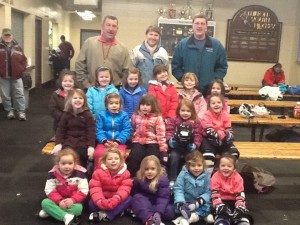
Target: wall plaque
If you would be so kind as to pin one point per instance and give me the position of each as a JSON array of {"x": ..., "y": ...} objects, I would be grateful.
[{"x": 253, "y": 35}]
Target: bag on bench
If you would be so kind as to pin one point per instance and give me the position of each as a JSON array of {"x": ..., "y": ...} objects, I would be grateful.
[{"x": 255, "y": 178}]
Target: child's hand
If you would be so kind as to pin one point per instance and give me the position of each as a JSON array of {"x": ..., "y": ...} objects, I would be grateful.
[
  {"x": 115, "y": 144},
  {"x": 62, "y": 204},
  {"x": 68, "y": 202},
  {"x": 56, "y": 149},
  {"x": 90, "y": 152}
]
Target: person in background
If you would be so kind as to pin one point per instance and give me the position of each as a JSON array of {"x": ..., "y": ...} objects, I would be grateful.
[
  {"x": 57, "y": 63},
  {"x": 149, "y": 54},
  {"x": 66, "y": 51},
  {"x": 164, "y": 91},
  {"x": 274, "y": 76},
  {"x": 151, "y": 194},
  {"x": 132, "y": 91},
  {"x": 192, "y": 191},
  {"x": 227, "y": 193},
  {"x": 13, "y": 63},
  {"x": 200, "y": 54},
  {"x": 103, "y": 50},
  {"x": 66, "y": 188},
  {"x": 216, "y": 86}
]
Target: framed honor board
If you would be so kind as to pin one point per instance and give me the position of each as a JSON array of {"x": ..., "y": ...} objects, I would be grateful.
[{"x": 253, "y": 34}]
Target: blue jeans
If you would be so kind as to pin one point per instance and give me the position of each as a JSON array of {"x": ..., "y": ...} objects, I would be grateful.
[
  {"x": 12, "y": 94},
  {"x": 176, "y": 161}
]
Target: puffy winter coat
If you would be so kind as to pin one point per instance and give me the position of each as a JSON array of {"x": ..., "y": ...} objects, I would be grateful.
[
  {"x": 113, "y": 126},
  {"x": 104, "y": 187}
]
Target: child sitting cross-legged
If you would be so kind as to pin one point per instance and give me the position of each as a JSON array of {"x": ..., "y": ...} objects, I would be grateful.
[{"x": 192, "y": 191}]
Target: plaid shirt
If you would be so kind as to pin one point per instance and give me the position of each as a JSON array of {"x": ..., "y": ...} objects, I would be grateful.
[{"x": 149, "y": 129}]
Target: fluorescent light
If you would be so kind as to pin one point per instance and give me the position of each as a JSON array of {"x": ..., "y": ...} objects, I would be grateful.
[{"x": 86, "y": 14}]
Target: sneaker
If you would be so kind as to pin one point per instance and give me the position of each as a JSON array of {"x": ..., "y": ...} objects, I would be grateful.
[
  {"x": 94, "y": 216},
  {"x": 209, "y": 219},
  {"x": 11, "y": 115},
  {"x": 43, "y": 214},
  {"x": 22, "y": 116},
  {"x": 75, "y": 221},
  {"x": 103, "y": 216}
]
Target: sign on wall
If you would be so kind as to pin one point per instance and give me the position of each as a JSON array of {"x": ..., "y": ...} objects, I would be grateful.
[{"x": 253, "y": 35}]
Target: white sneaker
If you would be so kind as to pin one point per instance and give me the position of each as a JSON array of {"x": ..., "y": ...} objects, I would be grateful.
[
  {"x": 209, "y": 218},
  {"x": 43, "y": 214},
  {"x": 184, "y": 222},
  {"x": 194, "y": 218},
  {"x": 177, "y": 221},
  {"x": 11, "y": 115},
  {"x": 22, "y": 116}
]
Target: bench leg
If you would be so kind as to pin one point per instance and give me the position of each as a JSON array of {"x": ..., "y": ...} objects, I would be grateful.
[
  {"x": 261, "y": 134},
  {"x": 253, "y": 132}
]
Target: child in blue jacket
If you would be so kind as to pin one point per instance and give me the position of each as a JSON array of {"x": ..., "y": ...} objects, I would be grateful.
[
  {"x": 192, "y": 191},
  {"x": 113, "y": 127},
  {"x": 132, "y": 91}
]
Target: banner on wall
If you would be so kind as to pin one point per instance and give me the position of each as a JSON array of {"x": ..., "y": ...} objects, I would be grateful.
[{"x": 253, "y": 34}]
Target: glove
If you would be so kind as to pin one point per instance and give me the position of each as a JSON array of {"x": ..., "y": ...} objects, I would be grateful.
[
  {"x": 156, "y": 218},
  {"x": 172, "y": 142},
  {"x": 184, "y": 210},
  {"x": 56, "y": 149},
  {"x": 191, "y": 147},
  {"x": 223, "y": 209},
  {"x": 68, "y": 202},
  {"x": 62, "y": 204},
  {"x": 211, "y": 133},
  {"x": 239, "y": 212},
  {"x": 193, "y": 205},
  {"x": 90, "y": 152},
  {"x": 164, "y": 157},
  {"x": 228, "y": 137}
]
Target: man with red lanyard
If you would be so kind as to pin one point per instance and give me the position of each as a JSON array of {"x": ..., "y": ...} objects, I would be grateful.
[{"x": 102, "y": 50}]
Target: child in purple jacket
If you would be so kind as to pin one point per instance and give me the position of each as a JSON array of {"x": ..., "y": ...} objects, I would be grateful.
[{"x": 151, "y": 193}]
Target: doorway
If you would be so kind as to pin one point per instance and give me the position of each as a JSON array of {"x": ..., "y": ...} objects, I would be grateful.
[{"x": 38, "y": 53}]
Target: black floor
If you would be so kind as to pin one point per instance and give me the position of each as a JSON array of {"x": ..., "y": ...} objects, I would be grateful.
[{"x": 23, "y": 172}]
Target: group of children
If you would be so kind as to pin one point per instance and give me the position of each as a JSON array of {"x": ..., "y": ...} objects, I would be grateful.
[{"x": 162, "y": 128}]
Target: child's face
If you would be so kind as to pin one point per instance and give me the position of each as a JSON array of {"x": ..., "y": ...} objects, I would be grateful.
[
  {"x": 77, "y": 101},
  {"x": 67, "y": 82},
  {"x": 145, "y": 109},
  {"x": 113, "y": 105},
  {"x": 196, "y": 168},
  {"x": 132, "y": 80},
  {"x": 163, "y": 76},
  {"x": 226, "y": 167},
  {"x": 66, "y": 165},
  {"x": 185, "y": 113},
  {"x": 113, "y": 162},
  {"x": 104, "y": 78},
  {"x": 216, "y": 88},
  {"x": 216, "y": 104},
  {"x": 151, "y": 170},
  {"x": 189, "y": 83}
]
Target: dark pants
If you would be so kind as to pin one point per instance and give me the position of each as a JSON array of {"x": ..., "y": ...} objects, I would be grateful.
[
  {"x": 176, "y": 161},
  {"x": 138, "y": 153},
  {"x": 111, "y": 214}
]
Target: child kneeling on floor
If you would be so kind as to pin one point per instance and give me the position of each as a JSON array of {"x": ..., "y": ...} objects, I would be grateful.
[
  {"x": 227, "y": 193},
  {"x": 66, "y": 188},
  {"x": 192, "y": 191},
  {"x": 110, "y": 187}
]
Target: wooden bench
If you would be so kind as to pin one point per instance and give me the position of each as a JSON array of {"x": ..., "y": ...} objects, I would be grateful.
[
  {"x": 269, "y": 150},
  {"x": 244, "y": 86},
  {"x": 253, "y": 94},
  {"x": 275, "y": 104}
]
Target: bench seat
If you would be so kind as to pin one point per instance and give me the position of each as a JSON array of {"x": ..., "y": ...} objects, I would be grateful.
[{"x": 269, "y": 150}]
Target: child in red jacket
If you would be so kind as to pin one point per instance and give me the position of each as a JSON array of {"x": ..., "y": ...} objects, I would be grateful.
[
  {"x": 164, "y": 91},
  {"x": 218, "y": 134},
  {"x": 227, "y": 193},
  {"x": 110, "y": 187},
  {"x": 66, "y": 188}
]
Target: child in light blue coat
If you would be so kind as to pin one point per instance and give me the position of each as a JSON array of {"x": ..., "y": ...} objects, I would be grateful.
[{"x": 192, "y": 191}]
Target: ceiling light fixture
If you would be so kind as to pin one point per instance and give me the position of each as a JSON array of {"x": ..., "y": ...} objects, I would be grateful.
[{"x": 86, "y": 14}]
